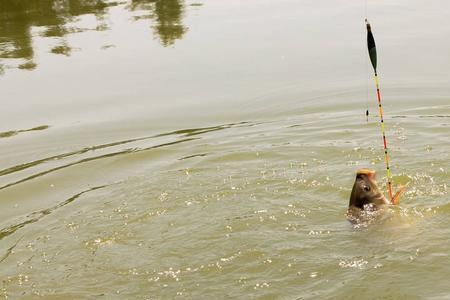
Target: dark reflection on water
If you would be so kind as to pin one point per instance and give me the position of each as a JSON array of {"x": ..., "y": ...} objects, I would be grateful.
[
  {"x": 58, "y": 18},
  {"x": 17, "y": 17},
  {"x": 11, "y": 133},
  {"x": 167, "y": 15}
]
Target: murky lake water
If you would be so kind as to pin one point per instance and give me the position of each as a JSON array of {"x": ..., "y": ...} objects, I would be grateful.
[{"x": 162, "y": 149}]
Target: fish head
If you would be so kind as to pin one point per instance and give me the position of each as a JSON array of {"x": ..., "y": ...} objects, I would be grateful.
[{"x": 365, "y": 190}]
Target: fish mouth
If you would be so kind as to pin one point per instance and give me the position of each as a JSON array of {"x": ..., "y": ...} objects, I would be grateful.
[{"x": 371, "y": 174}]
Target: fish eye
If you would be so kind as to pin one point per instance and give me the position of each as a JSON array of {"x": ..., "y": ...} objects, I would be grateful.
[{"x": 366, "y": 188}]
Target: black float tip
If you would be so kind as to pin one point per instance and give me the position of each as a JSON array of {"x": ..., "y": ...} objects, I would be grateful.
[{"x": 368, "y": 25}]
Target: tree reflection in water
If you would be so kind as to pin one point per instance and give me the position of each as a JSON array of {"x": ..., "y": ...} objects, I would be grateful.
[
  {"x": 19, "y": 20},
  {"x": 18, "y": 17},
  {"x": 167, "y": 16}
]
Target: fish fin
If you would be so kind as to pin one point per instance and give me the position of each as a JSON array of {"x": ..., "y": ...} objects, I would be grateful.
[{"x": 396, "y": 198}]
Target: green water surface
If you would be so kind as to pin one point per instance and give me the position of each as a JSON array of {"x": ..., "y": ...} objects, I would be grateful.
[{"x": 169, "y": 149}]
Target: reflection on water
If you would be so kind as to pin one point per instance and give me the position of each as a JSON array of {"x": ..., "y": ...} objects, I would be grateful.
[
  {"x": 22, "y": 20},
  {"x": 168, "y": 16},
  {"x": 17, "y": 19},
  {"x": 15, "y": 132}
]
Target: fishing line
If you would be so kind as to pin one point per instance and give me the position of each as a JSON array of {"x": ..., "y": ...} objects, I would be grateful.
[{"x": 365, "y": 8}]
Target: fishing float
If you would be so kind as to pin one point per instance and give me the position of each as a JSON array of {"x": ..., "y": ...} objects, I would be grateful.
[{"x": 373, "y": 59}]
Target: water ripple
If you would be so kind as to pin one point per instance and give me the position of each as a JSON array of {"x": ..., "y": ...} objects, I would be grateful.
[{"x": 38, "y": 215}]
